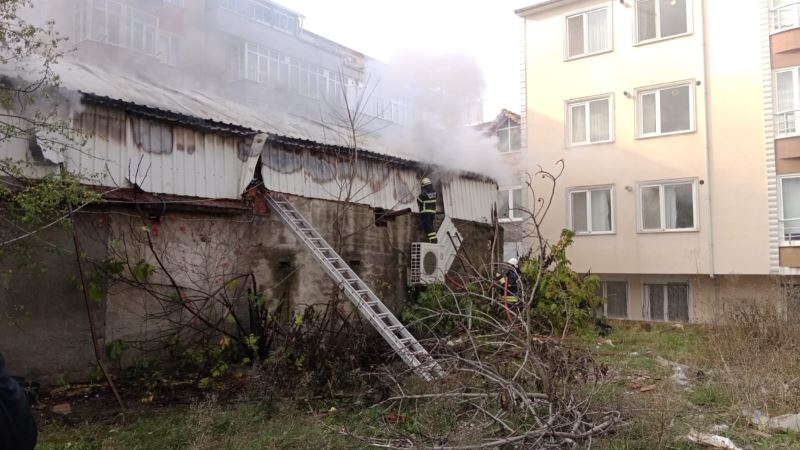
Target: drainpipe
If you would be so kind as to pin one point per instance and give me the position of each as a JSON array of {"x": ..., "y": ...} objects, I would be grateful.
[{"x": 707, "y": 133}]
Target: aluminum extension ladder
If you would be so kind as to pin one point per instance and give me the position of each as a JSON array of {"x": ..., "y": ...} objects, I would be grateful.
[{"x": 368, "y": 304}]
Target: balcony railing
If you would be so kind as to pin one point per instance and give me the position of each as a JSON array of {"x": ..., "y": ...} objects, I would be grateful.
[
  {"x": 790, "y": 229},
  {"x": 785, "y": 17}
]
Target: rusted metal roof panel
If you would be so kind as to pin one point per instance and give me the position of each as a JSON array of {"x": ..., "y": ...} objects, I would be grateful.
[
  {"x": 308, "y": 173},
  {"x": 125, "y": 151}
]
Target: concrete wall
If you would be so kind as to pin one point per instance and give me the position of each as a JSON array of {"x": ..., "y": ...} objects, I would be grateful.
[
  {"x": 44, "y": 332},
  {"x": 44, "y": 329}
]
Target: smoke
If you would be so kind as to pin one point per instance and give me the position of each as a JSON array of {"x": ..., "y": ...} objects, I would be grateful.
[
  {"x": 444, "y": 92},
  {"x": 439, "y": 93}
]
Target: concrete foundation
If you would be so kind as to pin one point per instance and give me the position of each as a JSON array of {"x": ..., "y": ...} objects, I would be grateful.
[{"x": 712, "y": 300}]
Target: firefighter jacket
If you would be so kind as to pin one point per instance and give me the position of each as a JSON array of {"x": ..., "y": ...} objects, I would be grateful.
[{"x": 426, "y": 201}]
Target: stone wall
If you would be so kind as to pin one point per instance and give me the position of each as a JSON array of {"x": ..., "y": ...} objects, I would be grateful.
[{"x": 44, "y": 333}]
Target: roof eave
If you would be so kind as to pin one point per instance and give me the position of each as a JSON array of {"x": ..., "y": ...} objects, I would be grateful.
[{"x": 539, "y": 7}]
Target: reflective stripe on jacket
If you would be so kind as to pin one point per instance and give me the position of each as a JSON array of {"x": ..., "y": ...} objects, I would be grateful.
[{"x": 427, "y": 200}]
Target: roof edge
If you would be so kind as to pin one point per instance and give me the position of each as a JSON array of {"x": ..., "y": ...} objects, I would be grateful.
[{"x": 543, "y": 6}]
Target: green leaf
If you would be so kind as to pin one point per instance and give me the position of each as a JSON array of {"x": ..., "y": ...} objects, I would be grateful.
[
  {"x": 115, "y": 349},
  {"x": 142, "y": 270}
]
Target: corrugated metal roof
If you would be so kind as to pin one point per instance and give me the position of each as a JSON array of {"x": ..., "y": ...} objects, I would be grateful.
[
  {"x": 206, "y": 111},
  {"x": 201, "y": 104}
]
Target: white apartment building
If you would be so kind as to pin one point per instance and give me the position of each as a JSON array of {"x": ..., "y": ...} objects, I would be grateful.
[{"x": 677, "y": 121}]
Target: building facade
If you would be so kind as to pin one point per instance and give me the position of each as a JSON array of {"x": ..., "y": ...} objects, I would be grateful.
[
  {"x": 513, "y": 191},
  {"x": 255, "y": 52},
  {"x": 675, "y": 120}
]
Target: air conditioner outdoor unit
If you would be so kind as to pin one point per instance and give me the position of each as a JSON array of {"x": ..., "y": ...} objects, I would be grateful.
[{"x": 430, "y": 262}]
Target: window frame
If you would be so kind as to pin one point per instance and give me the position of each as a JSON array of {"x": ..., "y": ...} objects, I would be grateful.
[
  {"x": 781, "y": 218},
  {"x": 662, "y": 205},
  {"x": 604, "y": 294},
  {"x": 510, "y": 189},
  {"x": 588, "y": 190},
  {"x": 510, "y": 126},
  {"x": 585, "y": 13},
  {"x": 795, "y": 71},
  {"x": 773, "y": 13},
  {"x": 659, "y": 38},
  {"x": 586, "y": 101},
  {"x": 646, "y": 310},
  {"x": 641, "y": 92}
]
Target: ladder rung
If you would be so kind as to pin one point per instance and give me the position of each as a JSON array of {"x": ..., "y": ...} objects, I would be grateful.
[{"x": 359, "y": 293}]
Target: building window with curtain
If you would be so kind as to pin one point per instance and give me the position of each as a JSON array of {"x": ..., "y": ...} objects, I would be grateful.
[
  {"x": 591, "y": 210},
  {"x": 785, "y": 14},
  {"x": 787, "y": 101},
  {"x": 590, "y": 121},
  {"x": 661, "y": 19},
  {"x": 790, "y": 209},
  {"x": 615, "y": 294},
  {"x": 668, "y": 302},
  {"x": 588, "y": 33},
  {"x": 665, "y": 110},
  {"x": 669, "y": 206}
]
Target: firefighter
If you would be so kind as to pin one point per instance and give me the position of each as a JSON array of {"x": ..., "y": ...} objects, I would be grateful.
[
  {"x": 510, "y": 283},
  {"x": 17, "y": 427},
  {"x": 427, "y": 208}
]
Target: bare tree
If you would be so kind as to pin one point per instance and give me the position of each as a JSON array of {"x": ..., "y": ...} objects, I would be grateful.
[{"x": 510, "y": 382}]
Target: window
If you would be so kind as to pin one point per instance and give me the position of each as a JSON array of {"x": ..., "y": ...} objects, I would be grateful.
[
  {"x": 175, "y": 2},
  {"x": 590, "y": 121},
  {"x": 263, "y": 65},
  {"x": 787, "y": 102},
  {"x": 591, "y": 210},
  {"x": 790, "y": 209},
  {"x": 588, "y": 33},
  {"x": 615, "y": 294},
  {"x": 114, "y": 23},
  {"x": 265, "y": 14},
  {"x": 668, "y": 206},
  {"x": 169, "y": 48},
  {"x": 391, "y": 110},
  {"x": 509, "y": 137},
  {"x": 659, "y": 19},
  {"x": 666, "y": 302},
  {"x": 665, "y": 110},
  {"x": 509, "y": 203},
  {"x": 785, "y": 14}
]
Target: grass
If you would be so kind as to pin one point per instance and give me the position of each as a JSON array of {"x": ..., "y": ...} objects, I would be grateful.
[
  {"x": 726, "y": 370},
  {"x": 203, "y": 426},
  {"x": 722, "y": 381}
]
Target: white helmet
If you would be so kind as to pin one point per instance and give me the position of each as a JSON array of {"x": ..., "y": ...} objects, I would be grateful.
[
  {"x": 426, "y": 182},
  {"x": 514, "y": 262}
]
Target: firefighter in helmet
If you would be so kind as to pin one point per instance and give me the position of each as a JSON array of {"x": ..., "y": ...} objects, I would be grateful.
[
  {"x": 427, "y": 208},
  {"x": 510, "y": 283}
]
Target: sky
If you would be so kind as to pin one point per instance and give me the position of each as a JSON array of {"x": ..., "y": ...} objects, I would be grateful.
[{"x": 487, "y": 30}]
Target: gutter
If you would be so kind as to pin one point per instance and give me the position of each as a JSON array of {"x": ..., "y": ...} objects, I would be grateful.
[{"x": 707, "y": 150}]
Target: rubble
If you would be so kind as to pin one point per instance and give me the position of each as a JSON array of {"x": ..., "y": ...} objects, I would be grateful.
[
  {"x": 711, "y": 440},
  {"x": 679, "y": 371},
  {"x": 787, "y": 423}
]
